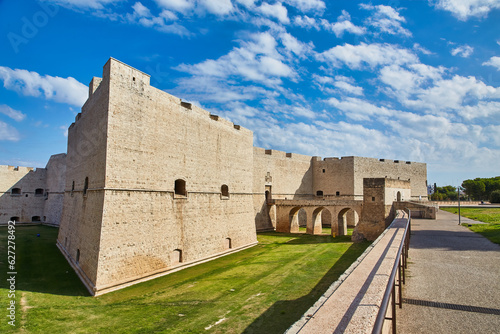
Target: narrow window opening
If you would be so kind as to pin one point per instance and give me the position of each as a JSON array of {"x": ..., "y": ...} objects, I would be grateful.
[
  {"x": 133, "y": 78},
  {"x": 86, "y": 186},
  {"x": 15, "y": 191},
  {"x": 324, "y": 170},
  {"x": 227, "y": 243},
  {"x": 319, "y": 193},
  {"x": 176, "y": 256},
  {"x": 72, "y": 187},
  {"x": 224, "y": 190},
  {"x": 180, "y": 187},
  {"x": 373, "y": 199},
  {"x": 39, "y": 192},
  {"x": 78, "y": 256},
  {"x": 337, "y": 193}
]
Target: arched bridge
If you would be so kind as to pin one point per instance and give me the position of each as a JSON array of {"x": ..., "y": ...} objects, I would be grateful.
[{"x": 286, "y": 212}]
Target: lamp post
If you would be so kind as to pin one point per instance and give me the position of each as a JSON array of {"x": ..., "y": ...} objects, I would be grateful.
[{"x": 459, "y": 217}]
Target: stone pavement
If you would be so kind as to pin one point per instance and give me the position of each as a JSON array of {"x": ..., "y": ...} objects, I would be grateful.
[{"x": 453, "y": 280}]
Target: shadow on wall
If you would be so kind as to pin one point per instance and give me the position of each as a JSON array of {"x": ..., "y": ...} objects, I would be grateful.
[
  {"x": 25, "y": 200},
  {"x": 305, "y": 189},
  {"x": 284, "y": 313}
]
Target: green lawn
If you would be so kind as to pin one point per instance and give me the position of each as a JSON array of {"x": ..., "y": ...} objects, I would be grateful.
[
  {"x": 263, "y": 289},
  {"x": 491, "y": 216}
]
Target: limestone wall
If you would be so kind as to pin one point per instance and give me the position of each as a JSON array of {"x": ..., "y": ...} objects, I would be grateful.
[
  {"x": 284, "y": 175},
  {"x": 25, "y": 202},
  {"x": 334, "y": 177},
  {"x": 80, "y": 228},
  {"x": 54, "y": 186},
  {"x": 132, "y": 221}
]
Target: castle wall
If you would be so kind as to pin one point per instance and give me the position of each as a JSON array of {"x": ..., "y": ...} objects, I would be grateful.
[
  {"x": 154, "y": 140},
  {"x": 334, "y": 177},
  {"x": 415, "y": 172},
  {"x": 27, "y": 205},
  {"x": 285, "y": 175},
  {"x": 80, "y": 228},
  {"x": 54, "y": 186}
]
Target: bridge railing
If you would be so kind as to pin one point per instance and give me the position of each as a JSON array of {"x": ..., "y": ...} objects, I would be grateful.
[{"x": 399, "y": 269}]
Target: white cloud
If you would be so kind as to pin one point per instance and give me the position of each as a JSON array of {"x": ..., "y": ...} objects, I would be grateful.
[
  {"x": 217, "y": 7},
  {"x": 181, "y": 6},
  {"x": 64, "y": 90},
  {"x": 360, "y": 110},
  {"x": 463, "y": 51},
  {"x": 293, "y": 45},
  {"x": 342, "y": 25},
  {"x": 494, "y": 61},
  {"x": 342, "y": 83},
  {"x": 306, "y": 22},
  {"x": 303, "y": 112},
  {"x": 307, "y": 5},
  {"x": 256, "y": 60},
  {"x": 12, "y": 113},
  {"x": 277, "y": 11},
  {"x": 8, "y": 132},
  {"x": 347, "y": 87},
  {"x": 464, "y": 9},
  {"x": 420, "y": 48},
  {"x": 371, "y": 55},
  {"x": 386, "y": 19}
]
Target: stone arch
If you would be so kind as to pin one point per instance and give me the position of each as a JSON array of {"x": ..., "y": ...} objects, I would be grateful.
[
  {"x": 180, "y": 187},
  {"x": 317, "y": 217},
  {"x": 294, "y": 219},
  {"x": 342, "y": 221},
  {"x": 176, "y": 257},
  {"x": 228, "y": 244},
  {"x": 398, "y": 196}
]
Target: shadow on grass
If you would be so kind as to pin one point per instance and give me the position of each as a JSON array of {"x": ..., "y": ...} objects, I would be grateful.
[
  {"x": 284, "y": 313},
  {"x": 303, "y": 238},
  {"x": 40, "y": 266}
]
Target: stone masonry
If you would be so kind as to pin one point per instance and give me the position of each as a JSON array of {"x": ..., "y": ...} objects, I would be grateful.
[{"x": 152, "y": 184}]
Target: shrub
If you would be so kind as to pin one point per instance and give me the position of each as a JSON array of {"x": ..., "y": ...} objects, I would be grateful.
[{"x": 495, "y": 196}]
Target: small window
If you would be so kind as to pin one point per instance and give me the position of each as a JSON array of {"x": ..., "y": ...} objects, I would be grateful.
[
  {"x": 35, "y": 219},
  {"x": 176, "y": 256},
  {"x": 77, "y": 256},
  {"x": 227, "y": 243},
  {"x": 38, "y": 192},
  {"x": 319, "y": 193},
  {"x": 180, "y": 187},
  {"x": 373, "y": 199},
  {"x": 86, "y": 186},
  {"x": 324, "y": 170},
  {"x": 224, "y": 190},
  {"x": 14, "y": 219},
  {"x": 15, "y": 191},
  {"x": 337, "y": 193},
  {"x": 73, "y": 186}
]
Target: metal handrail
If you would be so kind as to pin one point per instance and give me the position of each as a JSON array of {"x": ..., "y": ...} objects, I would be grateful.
[{"x": 400, "y": 264}]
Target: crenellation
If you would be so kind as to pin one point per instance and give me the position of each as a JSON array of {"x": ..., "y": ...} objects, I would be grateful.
[{"x": 152, "y": 184}]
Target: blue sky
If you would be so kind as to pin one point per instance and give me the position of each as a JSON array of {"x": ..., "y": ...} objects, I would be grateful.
[{"x": 407, "y": 80}]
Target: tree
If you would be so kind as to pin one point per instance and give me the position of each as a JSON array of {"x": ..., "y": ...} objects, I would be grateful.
[{"x": 495, "y": 196}]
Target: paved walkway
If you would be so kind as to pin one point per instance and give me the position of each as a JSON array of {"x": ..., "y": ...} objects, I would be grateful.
[{"x": 453, "y": 282}]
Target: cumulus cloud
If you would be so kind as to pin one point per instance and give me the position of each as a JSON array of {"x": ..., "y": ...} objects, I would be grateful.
[
  {"x": 362, "y": 55},
  {"x": 342, "y": 25},
  {"x": 494, "y": 61},
  {"x": 164, "y": 22},
  {"x": 359, "y": 109},
  {"x": 12, "y": 113},
  {"x": 8, "y": 132},
  {"x": 277, "y": 11},
  {"x": 386, "y": 19},
  {"x": 256, "y": 60},
  {"x": 464, "y": 51},
  {"x": 464, "y": 9},
  {"x": 307, "y": 5},
  {"x": 64, "y": 90}
]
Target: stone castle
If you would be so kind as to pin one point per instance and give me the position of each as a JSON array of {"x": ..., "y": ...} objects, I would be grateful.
[{"x": 151, "y": 184}]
